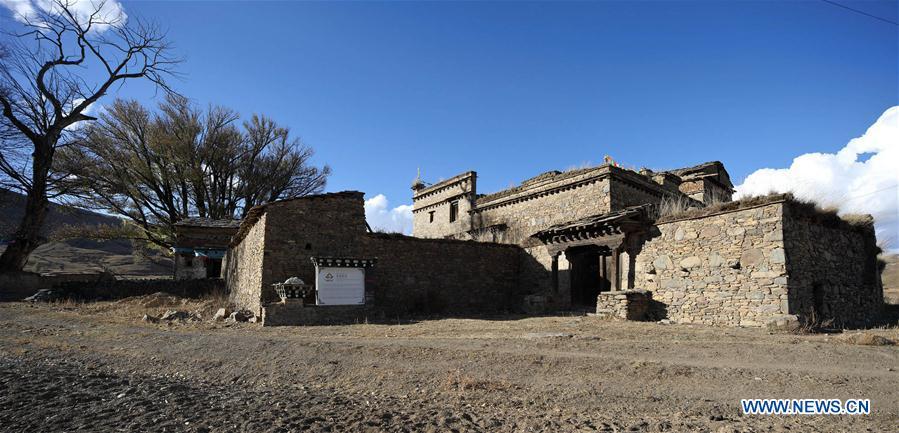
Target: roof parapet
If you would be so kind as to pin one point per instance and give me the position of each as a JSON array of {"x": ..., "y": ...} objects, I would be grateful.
[{"x": 420, "y": 192}]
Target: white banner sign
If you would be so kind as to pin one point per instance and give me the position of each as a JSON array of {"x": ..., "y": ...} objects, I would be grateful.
[{"x": 340, "y": 286}]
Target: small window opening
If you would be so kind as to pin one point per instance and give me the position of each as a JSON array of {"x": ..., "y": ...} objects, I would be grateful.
[
  {"x": 431, "y": 216},
  {"x": 454, "y": 210},
  {"x": 308, "y": 246}
]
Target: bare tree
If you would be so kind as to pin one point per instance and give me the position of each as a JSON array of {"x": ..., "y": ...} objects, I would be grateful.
[
  {"x": 157, "y": 169},
  {"x": 273, "y": 166},
  {"x": 59, "y": 64}
]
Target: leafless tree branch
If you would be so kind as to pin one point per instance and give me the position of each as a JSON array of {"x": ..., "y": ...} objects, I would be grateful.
[{"x": 46, "y": 91}]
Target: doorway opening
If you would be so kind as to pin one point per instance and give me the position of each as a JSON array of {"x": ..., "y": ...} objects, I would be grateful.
[
  {"x": 588, "y": 275},
  {"x": 213, "y": 268}
]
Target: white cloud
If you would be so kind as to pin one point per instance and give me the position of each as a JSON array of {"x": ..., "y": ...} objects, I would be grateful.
[
  {"x": 21, "y": 9},
  {"x": 111, "y": 11},
  {"x": 381, "y": 217},
  {"x": 91, "y": 110},
  {"x": 861, "y": 178}
]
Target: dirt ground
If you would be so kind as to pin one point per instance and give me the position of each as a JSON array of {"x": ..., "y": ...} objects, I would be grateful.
[{"x": 98, "y": 367}]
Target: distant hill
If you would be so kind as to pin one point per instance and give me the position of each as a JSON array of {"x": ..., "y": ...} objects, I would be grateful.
[
  {"x": 83, "y": 256},
  {"x": 12, "y": 207},
  {"x": 78, "y": 256}
]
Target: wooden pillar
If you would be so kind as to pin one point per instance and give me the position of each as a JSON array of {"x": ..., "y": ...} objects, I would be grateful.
[
  {"x": 603, "y": 273},
  {"x": 615, "y": 269},
  {"x": 555, "y": 270},
  {"x": 631, "y": 264}
]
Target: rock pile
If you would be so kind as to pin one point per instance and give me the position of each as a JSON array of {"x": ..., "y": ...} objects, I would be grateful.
[
  {"x": 242, "y": 316},
  {"x": 173, "y": 316}
]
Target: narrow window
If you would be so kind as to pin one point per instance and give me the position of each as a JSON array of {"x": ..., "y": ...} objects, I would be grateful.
[
  {"x": 454, "y": 210},
  {"x": 431, "y": 216}
]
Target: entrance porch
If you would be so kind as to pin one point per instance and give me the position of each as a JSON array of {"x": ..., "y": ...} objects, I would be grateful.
[{"x": 595, "y": 247}]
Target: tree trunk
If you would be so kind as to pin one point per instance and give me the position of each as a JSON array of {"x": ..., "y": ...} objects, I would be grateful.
[{"x": 28, "y": 235}]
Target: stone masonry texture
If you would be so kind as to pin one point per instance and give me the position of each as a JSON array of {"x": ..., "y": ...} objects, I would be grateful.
[
  {"x": 748, "y": 263},
  {"x": 751, "y": 267},
  {"x": 243, "y": 269},
  {"x": 411, "y": 276},
  {"x": 747, "y": 266},
  {"x": 832, "y": 268},
  {"x": 725, "y": 269}
]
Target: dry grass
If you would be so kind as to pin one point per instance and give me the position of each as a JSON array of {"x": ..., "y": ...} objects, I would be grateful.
[
  {"x": 458, "y": 381},
  {"x": 217, "y": 298},
  {"x": 67, "y": 303},
  {"x": 611, "y": 376},
  {"x": 857, "y": 219},
  {"x": 674, "y": 207},
  {"x": 868, "y": 339},
  {"x": 812, "y": 324},
  {"x": 679, "y": 208},
  {"x": 155, "y": 304}
]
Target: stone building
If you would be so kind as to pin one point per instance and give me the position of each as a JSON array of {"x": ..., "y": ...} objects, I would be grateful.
[
  {"x": 453, "y": 208},
  {"x": 594, "y": 240},
  {"x": 620, "y": 243},
  {"x": 760, "y": 261},
  {"x": 318, "y": 237},
  {"x": 200, "y": 246},
  {"x": 553, "y": 200}
]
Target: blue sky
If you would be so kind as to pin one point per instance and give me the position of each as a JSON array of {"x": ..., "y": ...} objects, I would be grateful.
[{"x": 513, "y": 89}]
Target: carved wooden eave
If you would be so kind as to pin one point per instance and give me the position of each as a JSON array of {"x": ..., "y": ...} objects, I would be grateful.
[{"x": 608, "y": 230}]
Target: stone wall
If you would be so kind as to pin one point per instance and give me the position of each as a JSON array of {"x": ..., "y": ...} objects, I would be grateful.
[
  {"x": 832, "y": 268},
  {"x": 315, "y": 226},
  {"x": 626, "y": 191},
  {"x": 720, "y": 269},
  {"x": 92, "y": 287},
  {"x": 16, "y": 286},
  {"x": 536, "y": 278},
  {"x": 118, "y": 289},
  {"x": 624, "y": 305},
  {"x": 243, "y": 268},
  {"x": 746, "y": 264},
  {"x": 414, "y": 276},
  {"x": 411, "y": 276},
  {"x": 294, "y": 313},
  {"x": 528, "y": 215},
  {"x": 705, "y": 191},
  {"x": 514, "y": 214},
  {"x": 763, "y": 263}
]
